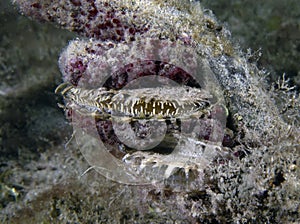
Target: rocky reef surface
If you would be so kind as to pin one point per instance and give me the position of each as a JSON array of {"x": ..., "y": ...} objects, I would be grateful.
[{"x": 41, "y": 170}]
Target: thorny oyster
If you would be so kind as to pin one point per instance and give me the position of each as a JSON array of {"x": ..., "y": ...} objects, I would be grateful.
[{"x": 161, "y": 129}]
